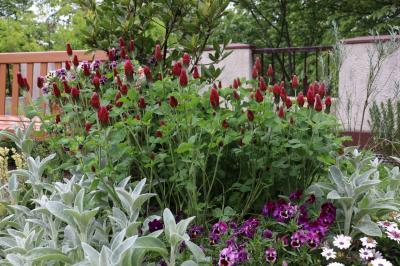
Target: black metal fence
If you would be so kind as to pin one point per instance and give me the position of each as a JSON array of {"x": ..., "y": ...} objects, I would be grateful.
[{"x": 302, "y": 61}]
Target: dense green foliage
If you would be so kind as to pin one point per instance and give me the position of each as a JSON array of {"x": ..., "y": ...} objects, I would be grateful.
[
  {"x": 385, "y": 126},
  {"x": 48, "y": 24}
]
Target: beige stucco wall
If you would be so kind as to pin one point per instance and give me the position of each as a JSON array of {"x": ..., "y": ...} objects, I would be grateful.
[
  {"x": 353, "y": 80},
  {"x": 237, "y": 65}
]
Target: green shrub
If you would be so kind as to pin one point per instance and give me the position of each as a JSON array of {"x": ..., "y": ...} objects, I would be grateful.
[{"x": 196, "y": 153}]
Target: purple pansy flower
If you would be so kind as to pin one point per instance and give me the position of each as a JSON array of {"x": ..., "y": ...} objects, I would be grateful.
[
  {"x": 270, "y": 255},
  {"x": 195, "y": 231},
  {"x": 155, "y": 225},
  {"x": 296, "y": 195},
  {"x": 249, "y": 227},
  {"x": 267, "y": 234}
]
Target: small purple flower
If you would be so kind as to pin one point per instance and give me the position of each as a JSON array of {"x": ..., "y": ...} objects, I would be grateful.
[
  {"x": 231, "y": 242},
  {"x": 179, "y": 216},
  {"x": 242, "y": 254},
  {"x": 326, "y": 219},
  {"x": 155, "y": 225},
  {"x": 296, "y": 195},
  {"x": 303, "y": 216},
  {"x": 249, "y": 227},
  {"x": 227, "y": 257},
  {"x": 45, "y": 90},
  {"x": 196, "y": 231},
  {"x": 162, "y": 263},
  {"x": 311, "y": 199},
  {"x": 313, "y": 240},
  {"x": 317, "y": 228},
  {"x": 219, "y": 228},
  {"x": 232, "y": 225},
  {"x": 152, "y": 60},
  {"x": 181, "y": 247},
  {"x": 270, "y": 255},
  {"x": 96, "y": 64},
  {"x": 267, "y": 234},
  {"x": 112, "y": 65},
  {"x": 298, "y": 239},
  {"x": 328, "y": 208},
  {"x": 103, "y": 80},
  {"x": 284, "y": 239},
  {"x": 284, "y": 212},
  {"x": 61, "y": 72},
  {"x": 268, "y": 208}
]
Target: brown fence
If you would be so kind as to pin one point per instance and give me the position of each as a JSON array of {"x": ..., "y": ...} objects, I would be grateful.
[{"x": 31, "y": 65}]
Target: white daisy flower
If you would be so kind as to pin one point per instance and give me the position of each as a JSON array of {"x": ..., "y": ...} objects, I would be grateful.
[
  {"x": 387, "y": 225},
  {"x": 368, "y": 242},
  {"x": 328, "y": 253},
  {"x": 342, "y": 241},
  {"x": 335, "y": 264},
  {"x": 381, "y": 262},
  {"x": 378, "y": 255},
  {"x": 393, "y": 234},
  {"x": 366, "y": 254}
]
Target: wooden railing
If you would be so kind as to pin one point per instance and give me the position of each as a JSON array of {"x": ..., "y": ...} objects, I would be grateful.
[{"x": 32, "y": 65}]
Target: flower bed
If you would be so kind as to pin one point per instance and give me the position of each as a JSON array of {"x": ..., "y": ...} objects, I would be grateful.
[{"x": 133, "y": 141}]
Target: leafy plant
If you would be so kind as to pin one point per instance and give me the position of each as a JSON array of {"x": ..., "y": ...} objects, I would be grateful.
[
  {"x": 199, "y": 149},
  {"x": 66, "y": 223},
  {"x": 385, "y": 126},
  {"x": 357, "y": 190}
]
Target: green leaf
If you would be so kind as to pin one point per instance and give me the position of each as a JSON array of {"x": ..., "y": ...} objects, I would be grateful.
[
  {"x": 184, "y": 147},
  {"x": 41, "y": 255},
  {"x": 369, "y": 228}
]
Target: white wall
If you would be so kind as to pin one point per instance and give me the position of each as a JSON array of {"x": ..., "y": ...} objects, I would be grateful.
[
  {"x": 353, "y": 80},
  {"x": 237, "y": 65}
]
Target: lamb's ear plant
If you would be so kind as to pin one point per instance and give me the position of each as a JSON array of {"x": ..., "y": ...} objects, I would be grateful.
[
  {"x": 63, "y": 223},
  {"x": 357, "y": 192},
  {"x": 21, "y": 137},
  {"x": 34, "y": 174}
]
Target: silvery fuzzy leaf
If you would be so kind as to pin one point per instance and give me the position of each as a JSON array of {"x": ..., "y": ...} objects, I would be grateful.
[
  {"x": 7, "y": 242},
  {"x": 337, "y": 177},
  {"x": 182, "y": 226},
  {"x": 119, "y": 217},
  {"x": 169, "y": 224},
  {"x": 196, "y": 251},
  {"x": 92, "y": 255},
  {"x": 105, "y": 256},
  {"x": 43, "y": 164},
  {"x": 13, "y": 183},
  {"x": 189, "y": 263},
  {"x": 147, "y": 244},
  {"x": 26, "y": 211},
  {"x": 118, "y": 239},
  {"x": 42, "y": 254},
  {"x": 58, "y": 210},
  {"x": 133, "y": 229},
  {"x": 71, "y": 237},
  {"x": 139, "y": 187},
  {"x": 369, "y": 228},
  {"x": 78, "y": 204},
  {"x": 16, "y": 260},
  {"x": 126, "y": 199},
  {"x": 140, "y": 199},
  {"x": 124, "y": 182},
  {"x": 120, "y": 251}
]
